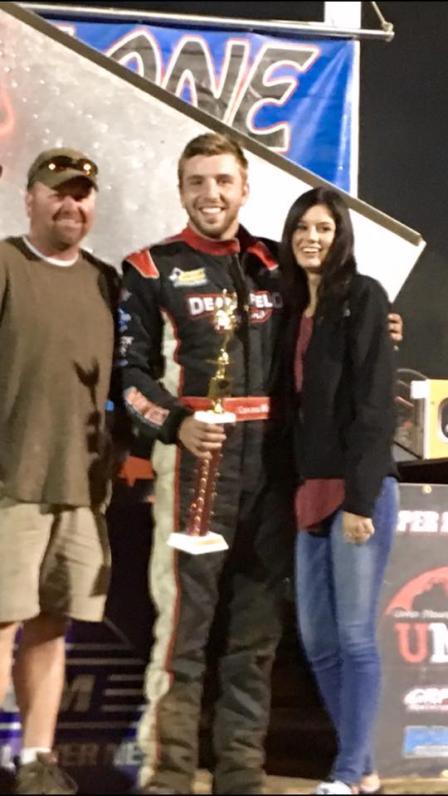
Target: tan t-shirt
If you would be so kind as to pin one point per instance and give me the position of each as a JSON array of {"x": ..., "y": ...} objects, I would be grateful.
[{"x": 56, "y": 348}]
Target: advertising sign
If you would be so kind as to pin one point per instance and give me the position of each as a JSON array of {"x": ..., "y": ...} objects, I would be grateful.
[{"x": 413, "y": 733}]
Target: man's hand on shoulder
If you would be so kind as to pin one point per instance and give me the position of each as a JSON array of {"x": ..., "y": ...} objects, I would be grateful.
[{"x": 395, "y": 326}]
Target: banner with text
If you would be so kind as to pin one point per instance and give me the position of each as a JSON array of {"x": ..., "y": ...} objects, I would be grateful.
[{"x": 293, "y": 96}]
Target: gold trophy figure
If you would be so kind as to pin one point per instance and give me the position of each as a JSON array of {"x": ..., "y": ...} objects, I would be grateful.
[{"x": 197, "y": 538}]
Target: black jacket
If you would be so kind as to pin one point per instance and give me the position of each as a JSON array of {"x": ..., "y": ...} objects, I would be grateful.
[{"x": 344, "y": 418}]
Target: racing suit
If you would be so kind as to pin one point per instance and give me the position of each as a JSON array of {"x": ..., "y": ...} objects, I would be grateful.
[{"x": 168, "y": 350}]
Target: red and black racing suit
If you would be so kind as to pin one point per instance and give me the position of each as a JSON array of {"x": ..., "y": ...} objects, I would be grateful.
[{"x": 168, "y": 347}]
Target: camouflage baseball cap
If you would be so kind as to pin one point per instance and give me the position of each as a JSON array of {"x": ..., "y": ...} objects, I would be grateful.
[{"x": 56, "y": 166}]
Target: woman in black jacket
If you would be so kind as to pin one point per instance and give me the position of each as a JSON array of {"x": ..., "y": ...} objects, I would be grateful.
[{"x": 341, "y": 386}]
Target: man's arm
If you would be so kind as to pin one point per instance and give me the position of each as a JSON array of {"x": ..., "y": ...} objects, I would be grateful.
[
  {"x": 117, "y": 419},
  {"x": 155, "y": 412}
]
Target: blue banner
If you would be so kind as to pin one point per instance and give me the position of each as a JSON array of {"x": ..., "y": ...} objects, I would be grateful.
[{"x": 294, "y": 96}]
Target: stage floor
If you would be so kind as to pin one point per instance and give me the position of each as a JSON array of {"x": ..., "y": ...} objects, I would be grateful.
[{"x": 290, "y": 785}]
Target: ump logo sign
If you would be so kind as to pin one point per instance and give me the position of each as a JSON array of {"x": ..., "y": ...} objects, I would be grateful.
[{"x": 420, "y": 615}]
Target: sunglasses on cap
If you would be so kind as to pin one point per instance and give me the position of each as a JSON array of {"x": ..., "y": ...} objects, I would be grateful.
[{"x": 64, "y": 162}]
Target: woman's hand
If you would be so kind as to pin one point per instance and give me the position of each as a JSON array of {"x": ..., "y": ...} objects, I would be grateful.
[{"x": 356, "y": 529}]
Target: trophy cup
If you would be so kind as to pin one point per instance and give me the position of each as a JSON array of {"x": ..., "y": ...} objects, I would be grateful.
[{"x": 197, "y": 538}]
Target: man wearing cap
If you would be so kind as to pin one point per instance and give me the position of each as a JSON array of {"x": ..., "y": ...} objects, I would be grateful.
[{"x": 56, "y": 342}]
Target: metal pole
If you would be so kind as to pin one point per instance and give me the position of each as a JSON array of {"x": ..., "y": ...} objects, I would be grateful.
[{"x": 285, "y": 27}]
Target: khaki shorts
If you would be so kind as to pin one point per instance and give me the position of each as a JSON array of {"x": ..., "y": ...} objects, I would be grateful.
[{"x": 53, "y": 559}]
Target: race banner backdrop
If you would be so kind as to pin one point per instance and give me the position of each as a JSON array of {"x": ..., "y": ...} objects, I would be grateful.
[{"x": 297, "y": 97}]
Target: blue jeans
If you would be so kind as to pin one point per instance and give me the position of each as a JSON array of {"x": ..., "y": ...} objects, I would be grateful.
[{"x": 338, "y": 587}]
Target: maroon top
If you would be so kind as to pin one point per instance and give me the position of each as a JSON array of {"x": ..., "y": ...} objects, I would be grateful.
[{"x": 317, "y": 498}]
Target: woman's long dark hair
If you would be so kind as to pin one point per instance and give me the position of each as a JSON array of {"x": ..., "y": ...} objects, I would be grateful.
[{"x": 340, "y": 263}]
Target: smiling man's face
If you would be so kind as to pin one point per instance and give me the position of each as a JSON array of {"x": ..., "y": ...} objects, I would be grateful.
[
  {"x": 60, "y": 217},
  {"x": 213, "y": 189}
]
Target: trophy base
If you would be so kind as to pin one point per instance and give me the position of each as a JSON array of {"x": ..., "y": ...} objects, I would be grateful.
[{"x": 198, "y": 545}]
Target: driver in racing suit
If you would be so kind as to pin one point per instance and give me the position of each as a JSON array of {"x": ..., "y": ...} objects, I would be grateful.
[{"x": 168, "y": 348}]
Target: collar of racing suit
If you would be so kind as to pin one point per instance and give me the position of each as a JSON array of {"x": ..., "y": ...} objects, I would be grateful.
[{"x": 243, "y": 242}]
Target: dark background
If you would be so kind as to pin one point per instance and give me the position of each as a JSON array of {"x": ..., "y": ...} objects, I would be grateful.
[
  {"x": 403, "y": 163},
  {"x": 403, "y": 138}
]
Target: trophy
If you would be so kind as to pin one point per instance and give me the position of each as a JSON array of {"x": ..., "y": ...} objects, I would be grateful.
[{"x": 197, "y": 538}]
